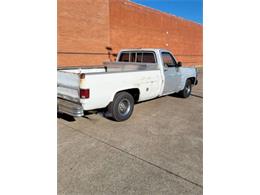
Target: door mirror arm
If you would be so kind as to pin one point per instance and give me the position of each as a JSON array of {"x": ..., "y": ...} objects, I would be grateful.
[{"x": 179, "y": 64}]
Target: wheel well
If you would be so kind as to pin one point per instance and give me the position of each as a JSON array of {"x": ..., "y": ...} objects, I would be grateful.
[
  {"x": 135, "y": 92},
  {"x": 192, "y": 80}
]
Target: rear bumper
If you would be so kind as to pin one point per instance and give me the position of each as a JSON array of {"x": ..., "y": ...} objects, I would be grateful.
[{"x": 70, "y": 108}]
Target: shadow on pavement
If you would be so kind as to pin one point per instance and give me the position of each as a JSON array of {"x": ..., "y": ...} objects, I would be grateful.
[
  {"x": 69, "y": 118},
  {"x": 176, "y": 95},
  {"x": 66, "y": 117}
]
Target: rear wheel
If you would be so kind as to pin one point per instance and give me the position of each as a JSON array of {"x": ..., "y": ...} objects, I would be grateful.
[
  {"x": 187, "y": 89},
  {"x": 122, "y": 106}
]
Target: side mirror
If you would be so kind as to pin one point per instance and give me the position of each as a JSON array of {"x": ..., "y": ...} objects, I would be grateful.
[{"x": 179, "y": 64}]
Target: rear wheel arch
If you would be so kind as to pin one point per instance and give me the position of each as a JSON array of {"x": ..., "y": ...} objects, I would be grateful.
[{"x": 135, "y": 92}]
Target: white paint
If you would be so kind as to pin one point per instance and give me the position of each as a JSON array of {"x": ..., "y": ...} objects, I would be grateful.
[{"x": 122, "y": 76}]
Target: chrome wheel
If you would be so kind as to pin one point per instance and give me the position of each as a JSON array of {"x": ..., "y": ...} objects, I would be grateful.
[{"x": 124, "y": 107}]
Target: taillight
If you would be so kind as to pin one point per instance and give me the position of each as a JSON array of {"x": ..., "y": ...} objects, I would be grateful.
[
  {"x": 82, "y": 76},
  {"x": 84, "y": 93}
]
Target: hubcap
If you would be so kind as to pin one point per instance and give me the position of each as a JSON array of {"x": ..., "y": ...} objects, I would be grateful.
[{"x": 124, "y": 107}]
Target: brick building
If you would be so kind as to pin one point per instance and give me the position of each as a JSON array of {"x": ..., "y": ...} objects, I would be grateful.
[{"x": 93, "y": 31}]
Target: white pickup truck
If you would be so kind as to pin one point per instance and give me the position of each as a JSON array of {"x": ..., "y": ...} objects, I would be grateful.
[{"x": 137, "y": 75}]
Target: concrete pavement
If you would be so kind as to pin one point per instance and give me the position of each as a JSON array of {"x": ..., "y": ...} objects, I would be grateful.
[{"x": 157, "y": 151}]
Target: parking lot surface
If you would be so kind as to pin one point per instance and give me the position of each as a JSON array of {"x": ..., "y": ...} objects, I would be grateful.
[{"x": 157, "y": 151}]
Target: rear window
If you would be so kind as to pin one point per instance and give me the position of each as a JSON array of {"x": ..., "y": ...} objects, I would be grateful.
[
  {"x": 132, "y": 57},
  {"x": 139, "y": 57},
  {"x": 148, "y": 58}
]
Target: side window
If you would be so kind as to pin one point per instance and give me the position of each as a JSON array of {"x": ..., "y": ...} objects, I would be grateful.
[
  {"x": 168, "y": 60},
  {"x": 148, "y": 58},
  {"x": 124, "y": 57}
]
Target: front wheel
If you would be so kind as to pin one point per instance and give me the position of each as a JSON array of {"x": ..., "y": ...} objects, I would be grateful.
[
  {"x": 122, "y": 106},
  {"x": 187, "y": 89}
]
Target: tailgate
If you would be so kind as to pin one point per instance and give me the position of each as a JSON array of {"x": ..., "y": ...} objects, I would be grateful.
[{"x": 68, "y": 85}]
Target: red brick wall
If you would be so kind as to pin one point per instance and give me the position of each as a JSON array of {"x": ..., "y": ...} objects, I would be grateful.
[
  {"x": 135, "y": 26},
  {"x": 83, "y": 27},
  {"x": 87, "y": 27}
]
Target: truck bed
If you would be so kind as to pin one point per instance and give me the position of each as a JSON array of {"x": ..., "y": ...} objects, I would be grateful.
[
  {"x": 68, "y": 79},
  {"x": 110, "y": 68}
]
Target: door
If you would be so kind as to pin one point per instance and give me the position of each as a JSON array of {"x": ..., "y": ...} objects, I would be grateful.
[{"x": 172, "y": 73}]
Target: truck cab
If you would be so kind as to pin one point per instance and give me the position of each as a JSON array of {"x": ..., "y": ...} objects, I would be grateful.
[{"x": 173, "y": 74}]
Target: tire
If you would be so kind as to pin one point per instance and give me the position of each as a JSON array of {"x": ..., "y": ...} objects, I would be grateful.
[
  {"x": 187, "y": 89},
  {"x": 122, "y": 106}
]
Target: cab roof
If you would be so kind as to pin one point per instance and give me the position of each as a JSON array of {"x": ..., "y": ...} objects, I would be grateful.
[{"x": 144, "y": 49}]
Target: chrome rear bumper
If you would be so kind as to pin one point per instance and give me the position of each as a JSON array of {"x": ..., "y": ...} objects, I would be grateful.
[{"x": 70, "y": 108}]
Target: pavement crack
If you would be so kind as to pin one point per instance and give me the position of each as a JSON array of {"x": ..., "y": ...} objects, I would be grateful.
[
  {"x": 136, "y": 157},
  {"x": 198, "y": 96}
]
